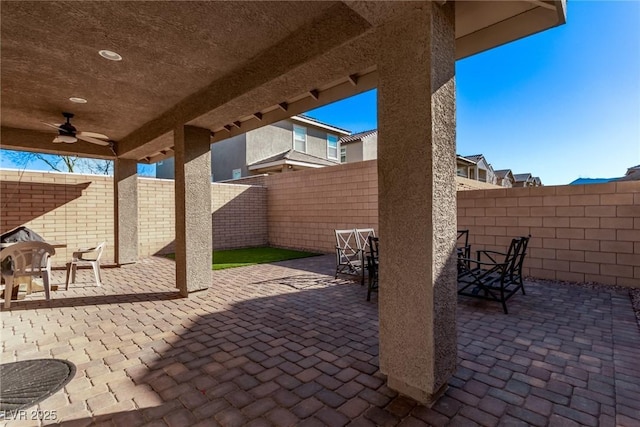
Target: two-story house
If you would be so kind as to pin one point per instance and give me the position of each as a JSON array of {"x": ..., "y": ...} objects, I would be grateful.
[
  {"x": 359, "y": 147},
  {"x": 477, "y": 168},
  {"x": 299, "y": 142},
  {"x": 526, "y": 180},
  {"x": 504, "y": 178}
]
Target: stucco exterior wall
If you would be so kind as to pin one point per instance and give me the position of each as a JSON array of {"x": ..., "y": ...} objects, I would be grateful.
[
  {"x": 165, "y": 168},
  {"x": 227, "y": 155},
  {"x": 268, "y": 141},
  {"x": 370, "y": 147},
  {"x": 354, "y": 151}
]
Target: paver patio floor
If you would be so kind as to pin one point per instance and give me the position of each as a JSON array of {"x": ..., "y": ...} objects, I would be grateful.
[{"x": 286, "y": 344}]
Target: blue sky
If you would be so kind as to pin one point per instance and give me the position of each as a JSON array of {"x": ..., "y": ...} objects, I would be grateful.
[{"x": 561, "y": 104}]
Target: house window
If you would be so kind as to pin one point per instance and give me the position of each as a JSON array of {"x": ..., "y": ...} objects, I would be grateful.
[
  {"x": 343, "y": 154},
  {"x": 237, "y": 173},
  {"x": 160, "y": 163},
  {"x": 332, "y": 147},
  {"x": 300, "y": 138}
]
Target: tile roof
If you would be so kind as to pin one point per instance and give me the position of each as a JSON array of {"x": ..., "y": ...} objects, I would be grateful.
[
  {"x": 632, "y": 169},
  {"x": 502, "y": 173},
  {"x": 633, "y": 175},
  {"x": 474, "y": 158},
  {"x": 522, "y": 177},
  {"x": 357, "y": 136},
  {"x": 295, "y": 156}
]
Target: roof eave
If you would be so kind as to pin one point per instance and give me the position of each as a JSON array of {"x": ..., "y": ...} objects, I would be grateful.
[{"x": 545, "y": 15}]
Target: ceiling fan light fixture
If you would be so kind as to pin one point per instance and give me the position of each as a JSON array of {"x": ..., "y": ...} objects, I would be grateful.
[
  {"x": 78, "y": 100},
  {"x": 68, "y": 139},
  {"x": 110, "y": 55}
]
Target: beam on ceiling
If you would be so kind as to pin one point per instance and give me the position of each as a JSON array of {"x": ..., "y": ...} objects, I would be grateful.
[
  {"x": 343, "y": 90},
  {"x": 300, "y": 48}
]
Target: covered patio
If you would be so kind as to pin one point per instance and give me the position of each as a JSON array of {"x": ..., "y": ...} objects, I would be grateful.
[
  {"x": 174, "y": 77},
  {"x": 287, "y": 344}
]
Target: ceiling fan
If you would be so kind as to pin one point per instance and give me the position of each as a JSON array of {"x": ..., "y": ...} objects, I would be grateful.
[{"x": 67, "y": 133}]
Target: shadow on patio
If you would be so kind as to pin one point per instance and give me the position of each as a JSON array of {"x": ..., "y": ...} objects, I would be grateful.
[{"x": 284, "y": 344}]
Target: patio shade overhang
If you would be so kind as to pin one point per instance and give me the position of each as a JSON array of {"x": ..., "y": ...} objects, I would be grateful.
[{"x": 225, "y": 66}]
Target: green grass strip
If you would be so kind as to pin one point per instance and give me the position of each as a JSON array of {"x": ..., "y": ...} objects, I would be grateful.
[{"x": 250, "y": 256}]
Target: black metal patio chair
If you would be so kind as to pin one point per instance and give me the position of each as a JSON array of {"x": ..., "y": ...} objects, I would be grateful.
[
  {"x": 494, "y": 276},
  {"x": 463, "y": 248},
  {"x": 372, "y": 266}
]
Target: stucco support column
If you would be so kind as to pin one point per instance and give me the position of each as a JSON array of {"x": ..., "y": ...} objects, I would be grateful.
[
  {"x": 417, "y": 201},
  {"x": 125, "y": 194},
  {"x": 192, "y": 147}
]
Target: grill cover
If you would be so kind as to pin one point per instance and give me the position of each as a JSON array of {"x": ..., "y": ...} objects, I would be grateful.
[{"x": 21, "y": 234}]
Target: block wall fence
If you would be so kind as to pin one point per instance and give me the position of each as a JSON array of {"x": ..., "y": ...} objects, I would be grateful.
[
  {"x": 78, "y": 210},
  {"x": 586, "y": 233}
]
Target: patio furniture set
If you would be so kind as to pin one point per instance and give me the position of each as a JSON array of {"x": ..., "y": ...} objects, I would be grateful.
[
  {"x": 24, "y": 261},
  {"x": 492, "y": 275}
]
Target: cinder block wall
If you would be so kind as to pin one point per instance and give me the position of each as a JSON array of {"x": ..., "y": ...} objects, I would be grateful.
[
  {"x": 305, "y": 207},
  {"x": 579, "y": 233},
  {"x": 78, "y": 210},
  {"x": 239, "y": 216},
  {"x": 63, "y": 208},
  {"x": 156, "y": 216}
]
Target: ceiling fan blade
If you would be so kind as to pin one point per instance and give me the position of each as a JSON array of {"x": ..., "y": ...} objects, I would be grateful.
[
  {"x": 51, "y": 125},
  {"x": 93, "y": 135},
  {"x": 57, "y": 140},
  {"x": 92, "y": 140}
]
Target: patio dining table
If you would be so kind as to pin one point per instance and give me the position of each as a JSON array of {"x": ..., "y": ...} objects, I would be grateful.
[{"x": 55, "y": 245}]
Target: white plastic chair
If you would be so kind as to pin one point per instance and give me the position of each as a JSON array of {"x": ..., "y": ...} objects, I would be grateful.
[
  {"x": 86, "y": 256},
  {"x": 28, "y": 259}
]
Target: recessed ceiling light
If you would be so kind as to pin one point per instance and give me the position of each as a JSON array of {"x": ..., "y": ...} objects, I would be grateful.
[
  {"x": 78, "y": 100},
  {"x": 110, "y": 55}
]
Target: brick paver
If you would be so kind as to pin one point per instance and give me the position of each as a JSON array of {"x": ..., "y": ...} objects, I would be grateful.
[{"x": 287, "y": 344}]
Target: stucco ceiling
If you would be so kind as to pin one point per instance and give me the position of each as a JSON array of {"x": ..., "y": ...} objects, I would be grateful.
[{"x": 209, "y": 64}]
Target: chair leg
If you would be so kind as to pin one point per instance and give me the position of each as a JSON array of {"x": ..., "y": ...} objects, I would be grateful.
[
  {"x": 74, "y": 267},
  {"x": 96, "y": 272},
  {"x": 504, "y": 306},
  {"x": 66, "y": 287},
  {"x": 8, "y": 290},
  {"x": 46, "y": 285}
]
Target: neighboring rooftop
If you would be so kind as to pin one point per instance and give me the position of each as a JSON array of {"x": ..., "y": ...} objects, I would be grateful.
[
  {"x": 294, "y": 156},
  {"x": 502, "y": 173},
  {"x": 475, "y": 158},
  {"x": 357, "y": 136},
  {"x": 310, "y": 120},
  {"x": 582, "y": 181},
  {"x": 518, "y": 177}
]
